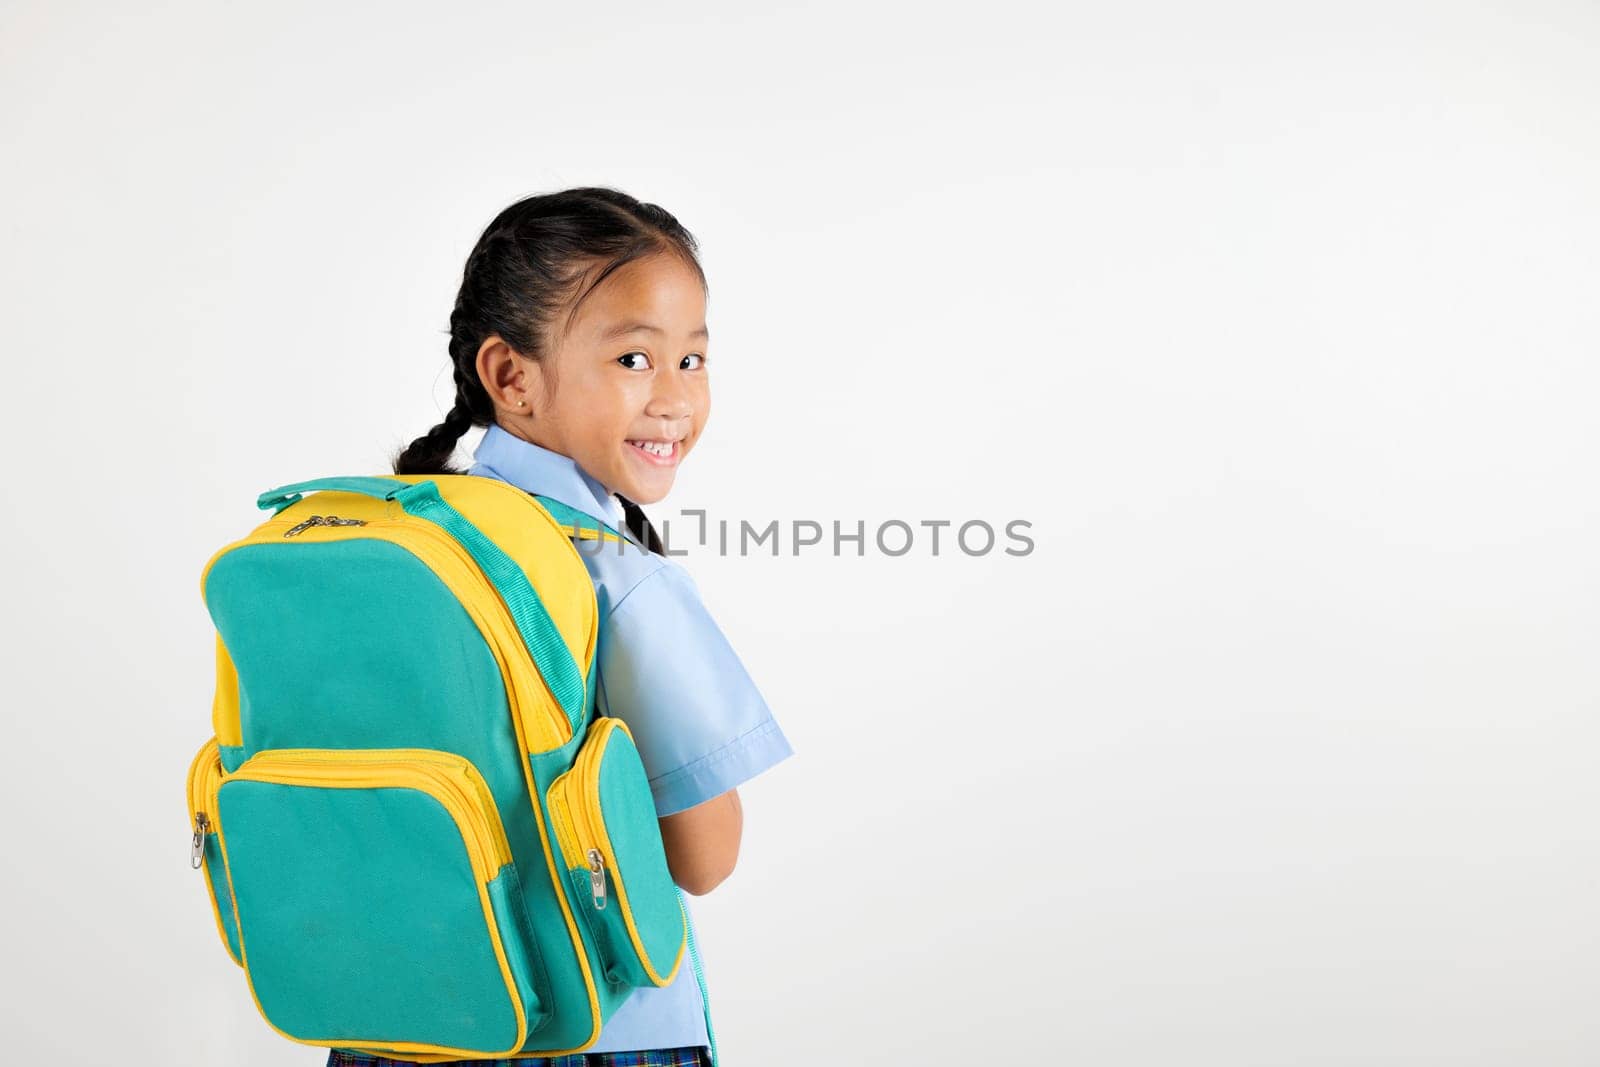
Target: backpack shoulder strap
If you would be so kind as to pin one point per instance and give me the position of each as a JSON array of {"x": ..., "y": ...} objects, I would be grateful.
[{"x": 578, "y": 524}]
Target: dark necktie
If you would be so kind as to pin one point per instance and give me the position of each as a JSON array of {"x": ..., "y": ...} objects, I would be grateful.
[{"x": 639, "y": 526}]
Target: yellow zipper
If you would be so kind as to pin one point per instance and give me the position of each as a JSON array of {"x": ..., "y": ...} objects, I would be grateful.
[
  {"x": 459, "y": 572},
  {"x": 506, "y": 636},
  {"x": 452, "y": 780},
  {"x": 205, "y": 775},
  {"x": 578, "y": 828},
  {"x": 581, "y": 830}
]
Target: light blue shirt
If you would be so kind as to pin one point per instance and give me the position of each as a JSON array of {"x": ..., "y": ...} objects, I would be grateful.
[{"x": 666, "y": 669}]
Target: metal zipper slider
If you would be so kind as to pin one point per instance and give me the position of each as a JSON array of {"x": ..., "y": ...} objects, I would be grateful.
[
  {"x": 597, "y": 878},
  {"x": 322, "y": 520},
  {"x": 197, "y": 848}
]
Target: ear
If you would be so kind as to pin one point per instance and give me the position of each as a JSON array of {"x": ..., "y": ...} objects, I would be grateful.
[{"x": 508, "y": 376}]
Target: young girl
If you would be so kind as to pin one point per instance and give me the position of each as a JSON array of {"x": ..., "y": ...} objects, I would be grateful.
[{"x": 579, "y": 340}]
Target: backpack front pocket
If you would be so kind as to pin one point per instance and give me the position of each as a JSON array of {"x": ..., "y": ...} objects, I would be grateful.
[
  {"x": 376, "y": 901},
  {"x": 610, "y": 840}
]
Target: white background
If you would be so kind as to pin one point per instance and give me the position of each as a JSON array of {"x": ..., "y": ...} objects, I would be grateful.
[{"x": 1278, "y": 322}]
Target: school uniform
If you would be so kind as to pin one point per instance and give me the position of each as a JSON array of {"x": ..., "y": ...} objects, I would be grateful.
[{"x": 700, "y": 724}]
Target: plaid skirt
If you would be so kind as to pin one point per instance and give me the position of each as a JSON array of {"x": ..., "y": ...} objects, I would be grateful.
[{"x": 697, "y": 1056}]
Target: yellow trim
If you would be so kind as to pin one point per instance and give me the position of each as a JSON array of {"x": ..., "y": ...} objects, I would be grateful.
[
  {"x": 577, "y": 790},
  {"x": 525, "y": 687},
  {"x": 521, "y": 527},
  {"x": 579, "y": 946},
  {"x": 205, "y": 775},
  {"x": 501, "y": 512},
  {"x": 584, "y": 533},
  {"x": 552, "y": 564},
  {"x": 225, "y": 702},
  {"x": 449, "y": 779},
  {"x": 466, "y": 795}
]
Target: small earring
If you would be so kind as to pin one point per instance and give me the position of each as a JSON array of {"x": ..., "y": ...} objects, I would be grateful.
[{"x": 521, "y": 402}]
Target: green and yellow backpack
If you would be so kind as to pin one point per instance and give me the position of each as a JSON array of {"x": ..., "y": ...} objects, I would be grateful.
[{"x": 418, "y": 838}]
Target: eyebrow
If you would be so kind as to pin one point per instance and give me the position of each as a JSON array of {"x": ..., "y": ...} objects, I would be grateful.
[{"x": 634, "y": 327}]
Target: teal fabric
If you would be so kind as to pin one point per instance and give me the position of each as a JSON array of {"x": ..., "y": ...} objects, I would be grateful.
[
  {"x": 699, "y": 976},
  {"x": 666, "y": 666},
  {"x": 628, "y": 813},
  {"x": 574, "y": 1028},
  {"x": 231, "y": 756},
  {"x": 545, "y": 644},
  {"x": 619, "y": 962},
  {"x": 695, "y": 1056},
  {"x": 516, "y": 932},
  {"x": 696, "y": 740},
  {"x": 284, "y": 495},
  {"x": 356, "y": 643},
  {"x": 217, "y": 878},
  {"x": 361, "y": 917},
  {"x": 550, "y": 653},
  {"x": 630, "y": 818},
  {"x": 571, "y": 516}
]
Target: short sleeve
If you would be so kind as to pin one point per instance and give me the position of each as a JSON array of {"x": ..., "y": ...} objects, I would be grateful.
[{"x": 667, "y": 670}]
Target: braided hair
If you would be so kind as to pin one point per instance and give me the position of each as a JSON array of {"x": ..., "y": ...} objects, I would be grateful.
[{"x": 523, "y": 276}]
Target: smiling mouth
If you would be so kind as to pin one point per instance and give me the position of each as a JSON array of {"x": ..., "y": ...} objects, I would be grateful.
[{"x": 658, "y": 453}]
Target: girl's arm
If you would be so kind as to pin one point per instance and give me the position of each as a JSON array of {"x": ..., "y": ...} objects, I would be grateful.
[{"x": 702, "y": 842}]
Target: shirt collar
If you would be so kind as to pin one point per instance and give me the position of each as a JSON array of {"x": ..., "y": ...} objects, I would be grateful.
[{"x": 536, "y": 469}]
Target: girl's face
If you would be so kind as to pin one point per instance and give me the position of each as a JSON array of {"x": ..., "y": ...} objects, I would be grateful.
[{"x": 625, "y": 392}]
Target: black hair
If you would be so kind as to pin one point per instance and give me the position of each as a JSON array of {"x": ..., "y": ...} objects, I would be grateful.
[{"x": 520, "y": 277}]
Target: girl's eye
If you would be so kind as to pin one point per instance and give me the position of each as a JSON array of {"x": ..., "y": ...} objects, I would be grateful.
[
  {"x": 694, "y": 355},
  {"x": 645, "y": 365}
]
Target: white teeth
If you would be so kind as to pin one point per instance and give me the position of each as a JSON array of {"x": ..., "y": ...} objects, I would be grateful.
[{"x": 657, "y": 448}]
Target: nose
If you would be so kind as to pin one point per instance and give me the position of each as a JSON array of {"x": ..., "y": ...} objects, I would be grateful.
[{"x": 670, "y": 399}]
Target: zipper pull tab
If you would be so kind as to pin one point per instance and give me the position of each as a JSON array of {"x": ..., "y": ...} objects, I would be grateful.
[
  {"x": 322, "y": 520},
  {"x": 315, "y": 520},
  {"x": 197, "y": 848},
  {"x": 597, "y": 878}
]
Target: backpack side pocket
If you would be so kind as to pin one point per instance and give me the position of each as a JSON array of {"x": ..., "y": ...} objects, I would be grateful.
[{"x": 610, "y": 841}]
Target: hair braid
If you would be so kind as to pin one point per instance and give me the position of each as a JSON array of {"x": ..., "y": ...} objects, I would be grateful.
[{"x": 430, "y": 453}]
